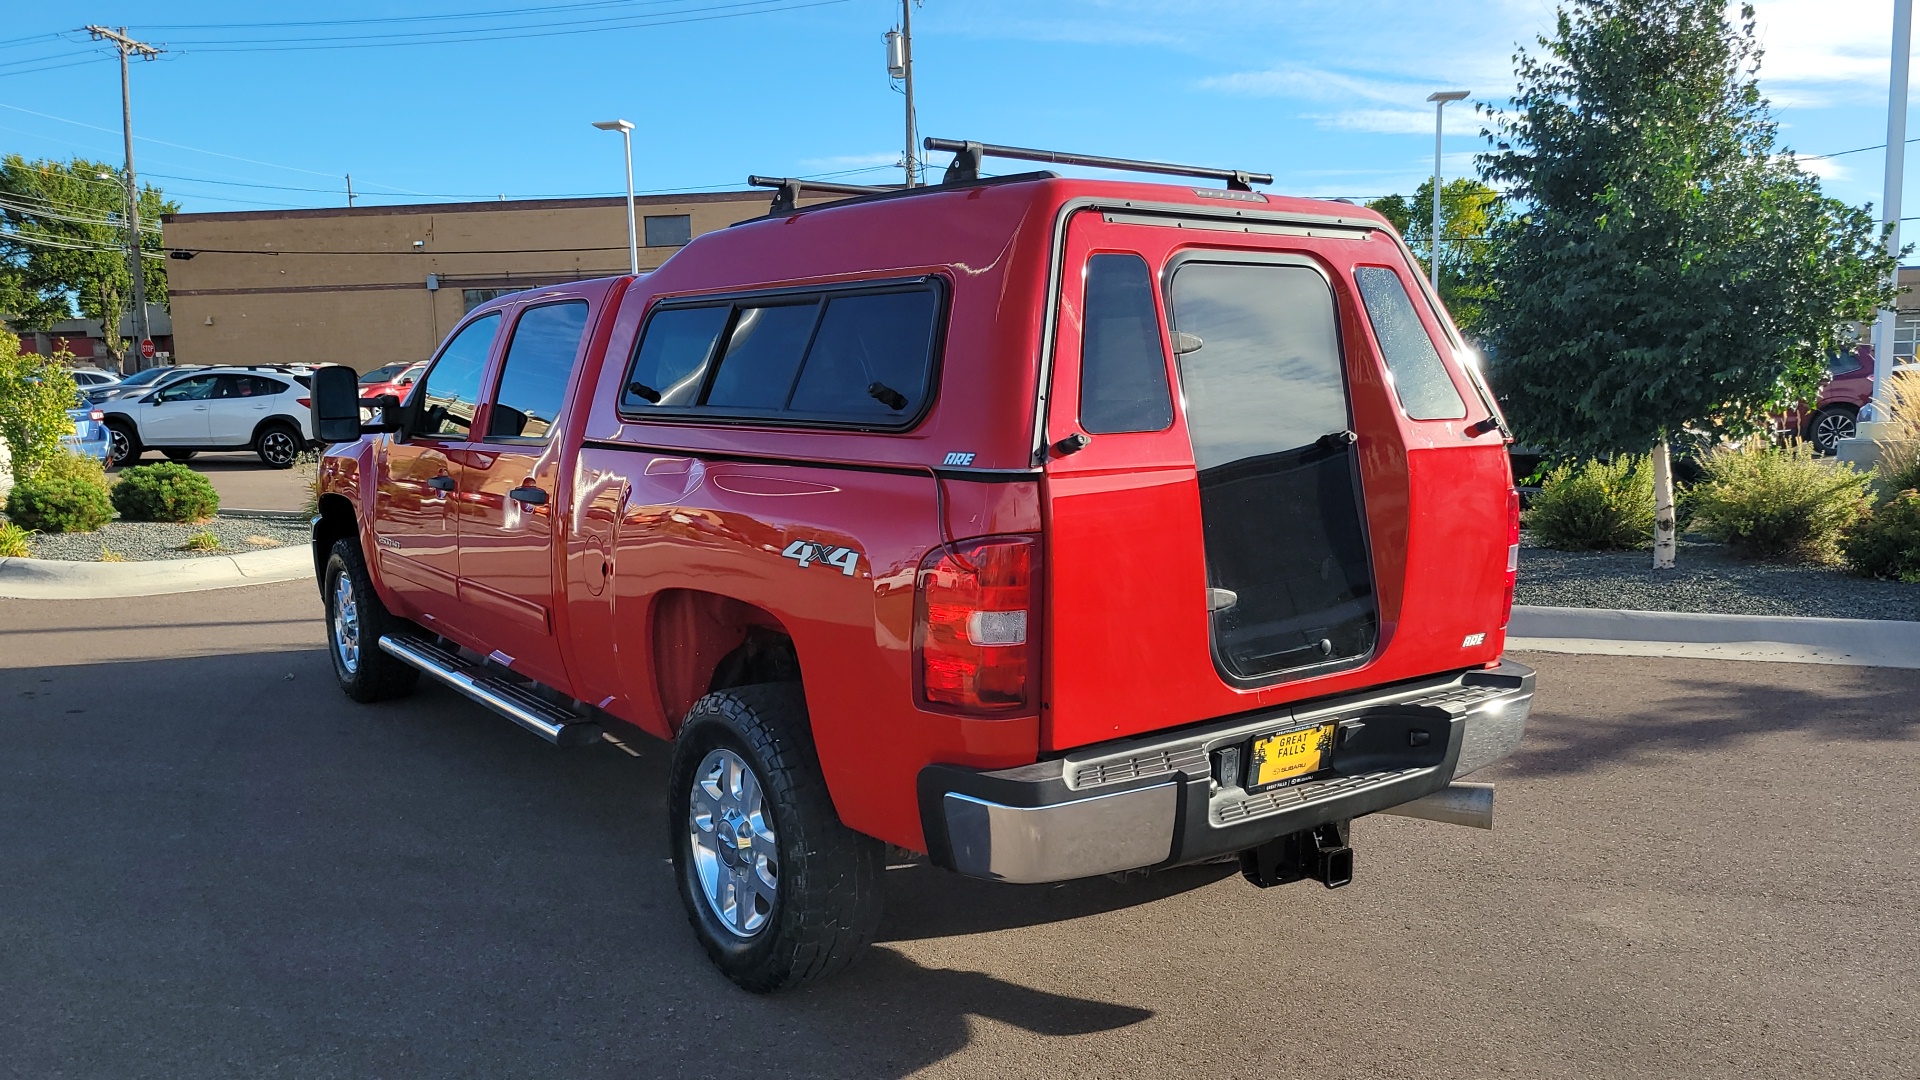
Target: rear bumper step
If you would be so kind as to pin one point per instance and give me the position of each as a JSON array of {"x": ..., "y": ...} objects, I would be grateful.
[
  {"x": 551, "y": 722},
  {"x": 1177, "y": 798}
]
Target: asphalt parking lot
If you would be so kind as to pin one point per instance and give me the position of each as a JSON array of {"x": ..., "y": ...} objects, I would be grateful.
[
  {"x": 244, "y": 482},
  {"x": 213, "y": 865}
]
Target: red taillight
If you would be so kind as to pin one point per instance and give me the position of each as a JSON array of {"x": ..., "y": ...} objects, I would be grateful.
[
  {"x": 96, "y": 416},
  {"x": 976, "y": 625},
  {"x": 305, "y": 403},
  {"x": 1513, "y": 551}
]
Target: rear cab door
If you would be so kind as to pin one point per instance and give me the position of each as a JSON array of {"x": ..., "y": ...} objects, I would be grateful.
[{"x": 1233, "y": 531}]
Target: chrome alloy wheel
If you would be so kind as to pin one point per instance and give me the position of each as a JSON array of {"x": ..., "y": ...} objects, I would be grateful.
[
  {"x": 735, "y": 855},
  {"x": 1830, "y": 429},
  {"x": 346, "y": 625},
  {"x": 120, "y": 445},
  {"x": 279, "y": 448}
]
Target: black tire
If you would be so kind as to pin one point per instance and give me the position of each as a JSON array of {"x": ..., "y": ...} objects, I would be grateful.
[
  {"x": 278, "y": 445},
  {"x": 372, "y": 674},
  {"x": 179, "y": 455},
  {"x": 826, "y": 906},
  {"x": 123, "y": 444},
  {"x": 1830, "y": 425}
]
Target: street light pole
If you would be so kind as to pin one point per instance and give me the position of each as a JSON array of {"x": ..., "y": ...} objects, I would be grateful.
[
  {"x": 1885, "y": 325},
  {"x": 633, "y": 237},
  {"x": 127, "y": 46},
  {"x": 1439, "y": 99}
]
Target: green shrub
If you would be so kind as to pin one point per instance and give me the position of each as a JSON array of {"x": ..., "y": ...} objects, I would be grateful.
[
  {"x": 201, "y": 541},
  {"x": 1899, "y": 468},
  {"x": 35, "y": 394},
  {"x": 49, "y": 501},
  {"x": 1886, "y": 542},
  {"x": 72, "y": 466},
  {"x": 165, "y": 491},
  {"x": 13, "y": 542},
  {"x": 1595, "y": 506},
  {"x": 1783, "y": 503}
]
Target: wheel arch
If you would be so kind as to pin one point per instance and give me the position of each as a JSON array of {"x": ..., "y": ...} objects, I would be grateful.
[
  {"x": 705, "y": 641},
  {"x": 336, "y": 521},
  {"x": 277, "y": 420}
]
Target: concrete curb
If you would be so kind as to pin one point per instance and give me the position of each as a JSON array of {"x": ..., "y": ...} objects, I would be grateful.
[
  {"x": 1857, "y": 642},
  {"x": 50, "y": 579}
]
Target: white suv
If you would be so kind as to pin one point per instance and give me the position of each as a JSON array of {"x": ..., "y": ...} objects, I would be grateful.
[{"x": 262, "y": 409}]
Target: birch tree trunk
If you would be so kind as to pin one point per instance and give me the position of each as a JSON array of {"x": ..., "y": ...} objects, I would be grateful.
[{"x": 1663, "y": 521}]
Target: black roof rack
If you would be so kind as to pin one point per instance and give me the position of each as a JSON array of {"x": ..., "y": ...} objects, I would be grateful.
[
  {"x": 787, "y": 189},
  {"x": 967, "y": 157}
]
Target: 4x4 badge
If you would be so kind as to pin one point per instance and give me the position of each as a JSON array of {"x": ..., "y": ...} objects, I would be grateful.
[{"x": 806, "y": 552}]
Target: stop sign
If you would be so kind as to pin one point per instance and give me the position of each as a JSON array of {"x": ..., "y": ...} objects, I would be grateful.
[{"x": 146, "y": 348}]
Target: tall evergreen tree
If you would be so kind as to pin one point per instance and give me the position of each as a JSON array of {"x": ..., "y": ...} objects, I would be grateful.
[{"x": 1670, "y": 273}]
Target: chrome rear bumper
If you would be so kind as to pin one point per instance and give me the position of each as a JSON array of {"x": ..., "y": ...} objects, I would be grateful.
[{"x": 1175, "y": 798}]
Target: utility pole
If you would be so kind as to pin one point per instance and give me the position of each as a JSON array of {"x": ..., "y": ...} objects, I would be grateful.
[
  {"x": 1884, "y": 325},
  {"x": 349, "y": 190},
  {"x": 900, "y": 66},
  {"x": 126, "y": 47},
  {"x": 906, "y": 48}
]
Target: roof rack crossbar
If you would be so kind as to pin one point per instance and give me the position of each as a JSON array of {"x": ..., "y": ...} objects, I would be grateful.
[
  {"x": 968, "y": 155},
  {"x": 787, "y": 189}
]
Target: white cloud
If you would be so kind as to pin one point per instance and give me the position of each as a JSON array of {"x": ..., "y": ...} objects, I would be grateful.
[
  {"x": 1378, "y": 121},
  {"x": 1823, "y": 43},
  {"x": 1825, "y": 168}
]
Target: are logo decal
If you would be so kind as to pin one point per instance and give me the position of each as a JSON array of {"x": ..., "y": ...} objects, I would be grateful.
[
  {"x": 806, "y": 553},
  {"x": 959, "y": 457}
]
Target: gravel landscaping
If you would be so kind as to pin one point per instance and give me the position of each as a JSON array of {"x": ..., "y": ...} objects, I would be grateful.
[
  {"x": 138, "y": 541},
  {"x": 1705, "y": 578}
]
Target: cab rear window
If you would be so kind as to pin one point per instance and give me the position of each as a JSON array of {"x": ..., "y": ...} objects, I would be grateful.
[{"x": 853, "y": 357}]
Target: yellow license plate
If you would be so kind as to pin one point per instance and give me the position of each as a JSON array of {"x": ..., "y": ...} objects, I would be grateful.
[{"x": 1278, "y": 758}]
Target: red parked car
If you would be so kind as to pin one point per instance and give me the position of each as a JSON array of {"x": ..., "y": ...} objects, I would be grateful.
[
  {"x": 1050, "y": 527},
  {"x": 390, "y": 381},
  {"x": 1848, "y": 387}
]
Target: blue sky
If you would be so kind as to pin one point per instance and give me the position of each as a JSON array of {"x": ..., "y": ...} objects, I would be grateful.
[{"x": 1328, "y": 96}]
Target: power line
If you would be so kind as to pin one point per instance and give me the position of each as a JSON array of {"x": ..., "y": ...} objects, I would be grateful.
[
  {"x": 53, "y": 67},
  {"x": 1844, "y": 153},
  {"x": 41, "y": 241},
  {"x": 449, "y": 37},
  {"x": 542, "y": 9}
]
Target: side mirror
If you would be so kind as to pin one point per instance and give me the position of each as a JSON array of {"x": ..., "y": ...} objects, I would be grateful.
[
  {"x": 336, "y": 404},
  {"x": 388, "y": 408}
]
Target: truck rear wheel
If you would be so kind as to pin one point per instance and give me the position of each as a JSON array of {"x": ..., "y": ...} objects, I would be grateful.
[
  {"x": 779, "y": 892},
  {"x": 356, "y": 619}
]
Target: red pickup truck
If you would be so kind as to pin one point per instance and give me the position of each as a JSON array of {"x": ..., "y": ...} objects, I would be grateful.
[{"x": 1051, "y": 527}]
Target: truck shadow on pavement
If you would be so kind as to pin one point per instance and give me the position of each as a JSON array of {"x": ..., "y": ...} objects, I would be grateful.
[
  {"x": 1695, "y": 709},
  {"x": 220, "y": 866}
]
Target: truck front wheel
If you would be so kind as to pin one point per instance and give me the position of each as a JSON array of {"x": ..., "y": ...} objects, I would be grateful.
[
  {"x": 356, "y": 619},
  {"x": 779, "y": 892}
]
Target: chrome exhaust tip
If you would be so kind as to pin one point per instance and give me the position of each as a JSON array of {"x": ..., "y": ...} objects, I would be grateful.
[{"x": 1456, "y": 804}]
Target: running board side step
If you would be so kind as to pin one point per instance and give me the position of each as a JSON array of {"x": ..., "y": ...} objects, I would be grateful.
[{"x": 516, "y": 703}]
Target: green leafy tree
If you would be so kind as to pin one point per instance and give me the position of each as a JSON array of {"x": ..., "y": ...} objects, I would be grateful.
[
  {"x": 1671, "y": 274},
  {"x": 1469, "y": 212},
  {"x": 35, "y": 394},
  {"x": 63, "y": 244}
]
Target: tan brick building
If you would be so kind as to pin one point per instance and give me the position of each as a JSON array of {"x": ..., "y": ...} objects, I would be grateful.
[{"x": 366, "y": 286}]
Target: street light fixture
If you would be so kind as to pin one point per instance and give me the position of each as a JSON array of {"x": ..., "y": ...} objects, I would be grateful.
[
  {"x": 625, "y": 128},
  {"x": 1439, "y": 99}
]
